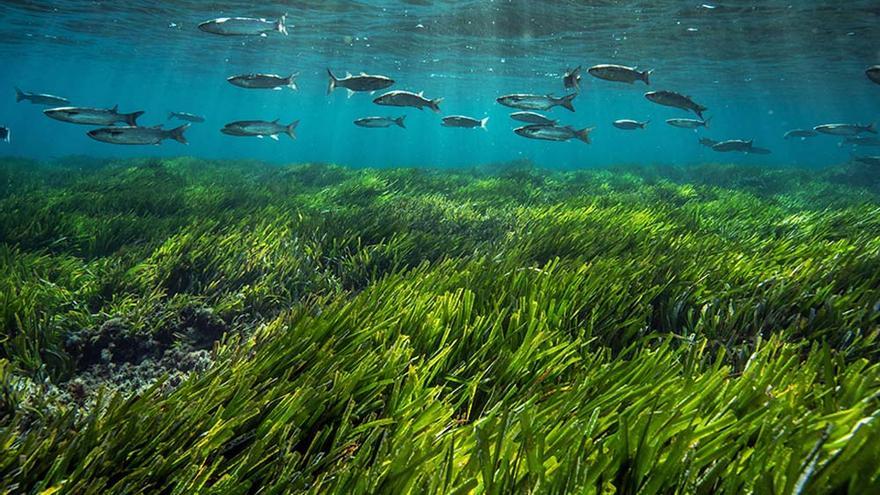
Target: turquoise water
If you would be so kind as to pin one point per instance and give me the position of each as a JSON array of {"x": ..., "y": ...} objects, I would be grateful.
[{"x": 762, "y": 68}]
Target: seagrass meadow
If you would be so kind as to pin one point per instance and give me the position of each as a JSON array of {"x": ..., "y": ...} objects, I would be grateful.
[{"x": 185, "y": 326}]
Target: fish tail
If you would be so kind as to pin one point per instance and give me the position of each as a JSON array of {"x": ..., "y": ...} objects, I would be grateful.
[
  {"x": 646, "y": 76},
  {"x": 706, "y": 122},
  {"x": 584, "y": 134},
  {"x": 291, "y": 81},
  {"x": 332, "y": 84},
  {"x": 872, "y": 128},
  {"x": 435, "y": 104},
  {"x": 290, "y": 130},
  {"x": 177, "y": 133},
  {"x": 565, "y": 102},
  {"x": 131, "y": 118},
  {"x": 400, "y": 121},
  {"x": 645, "y": 123},
  {"x": 483, "y": 123},
  {"x": 280, "y": 26},
  {"x": 19, "y": 95},
  {"x": 170, "y": 115}
]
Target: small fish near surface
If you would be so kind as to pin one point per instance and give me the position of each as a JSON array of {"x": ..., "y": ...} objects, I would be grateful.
[
  {"x": 260, "y": 129},
  {"x": 189, "y": 117},
  {"x": 533, "y": 118},
  {"x": 464, "y": 121},
  {"x": 244, "y": 26},
  {"x": 537, "y": 102},
  {"x": 408, "y": 99},
  {"x": 553, "y": 133},
  {"x": 138, "y": 135},
  {"x": 620, "y": 73},
  {"x": 800, "y": 133},
  {"x": 688, "y": 123},
  {"x": 739, "y": 145},
  {"x": 93, "y": 116},
  {"x": 363, "y": 82},
  {"x": 707, "y": 142},
  {"x": 572, "y": 79},
  {"x": 263, "y": 81},
  {"x": 5, "y": 134},
  {"x": 873, "y": 73},
  {"x": 40, "y": 99},
  {"x": 629, "y": 125},
  {"x": 676, "y": 100},
  {"x": 873, "y": 161},
  {"x": 845, "y": 129},
  {"x": 377, "y": 122},
  {"x": 861, "y": 141}
]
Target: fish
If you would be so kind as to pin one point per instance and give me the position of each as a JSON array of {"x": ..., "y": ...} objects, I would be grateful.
[
  {"x": 677, "y": 100},
  {"x": 362, "y": 82},
  {"x": 260, "y": 128},
  {"x": 408, "y": 99},
  {"x": 244, "y": 26},
  {"x": 629, "y": 125},
  {"x": 620, "y": 73},
  {"x": 861, "y": 141},
  {"x": 380, "y": 122},
  {"x": 40, "y": 99},
  {"x": 873, "y": 73},
  {"x": 93, "y": 116},
  {"x": 688, "y": 123},
  {"x": 845, "y": 129},
  {"x": 554, "y": 133},
  {"x": 464, "y": 121},
  {"x": 799, "y": 133},
  {"x": 733, "y": 145},
  {"x": 138, "y": 135},
  {"x": 264, "y": 81},
  {"x": 189, "y": 117},
  {"x": 5, "y": 134},
  {"x": 708, "y": 142},
  {"x": 537, "y": 102},
  {"x": 533, "y": 118},
  {"x": 874, "y": 161},
  {"x": 572, "y": 78}
]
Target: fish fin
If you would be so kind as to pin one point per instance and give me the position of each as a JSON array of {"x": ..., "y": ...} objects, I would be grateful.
[
  {"x": 422, "y": 94},
  {"x": 565, "y": 102},
  {"x": 872, "y": 128},
  {"x": 291, "y": 81},
  {"x": 347, "y": 74},
  {"x": 646, "y": 76},
  {"x": 275, "y": 121},
  {"x": 170, "y": 115},
  {"x": 399, "y": 121},
  {"x": 276, "y": 88},
  {"x": 280, "y": 26},
  {"x": 332, "y": 84},
  {"x": 483, "y": 123},
  {"x": 115, "y": 108},
  {"x": 363, "y": 73},
  {"x": 262, "y": 35},
  {"x": 291, "y": 129},
  {"x": 435, "y": 104},
  {"x": 274, "y": 137},
  {"x": 584, "y": 134},
  {"x": 19, "y": 95},
  {"x": 177, "y": 134},
  {"x": 131, "y": 118},
  {"x": 349, "y": 93}
]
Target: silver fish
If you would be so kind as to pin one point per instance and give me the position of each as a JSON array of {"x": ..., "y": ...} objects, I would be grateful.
[
  {"x": 861, "y": 141},
  {"x": 40, "y": 99},
  {"x": 708, "y": 142},
  {"x": 537, "y": 102},
  {"x": 553, "y": 133},
  {"x": 380, "y": 122},
  {"x": 260, "y": 128},
  {"x": 361, "y": 82},
  {"x": 408, "y": 99},
  {"x": 620, "y": 73},
  {"x": 629, "y": 125},
  {"x": 5, "y": 134},
  {"x": 799, "y": 133},
  {"x": 688, "y": 123},
  {"x": 873, "y": 73},
  {"x": 677, "y": 100},
  {"x": 874, "y": 161},
  {"x": 572, "y": 79},
  {"x": 93, "y": 116},
  {"x": 244, "y": 26},
  {"x": 463, "y": 121},
  {"x": 138, "y": 135},
  {"x": 533, "y": 118},
  {"x": 189, "y": 117},
  {"x": 845, "y": 129},
  {"x": 733, "y": 145},
  {"x": 264, "y": 81}
]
